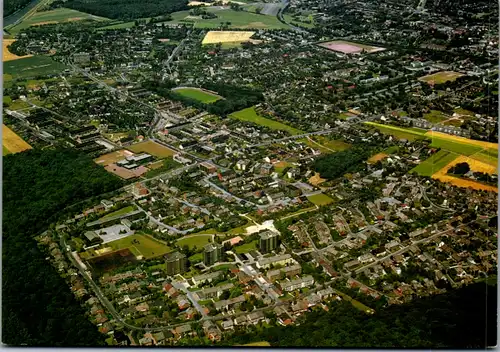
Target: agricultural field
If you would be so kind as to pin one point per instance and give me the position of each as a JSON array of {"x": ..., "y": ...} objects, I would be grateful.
[
  {"x": 434, "y": 163},
  {"x": 198, "y": 94},
  {"x": 250, "y": 115},
  {"x": 141, "y": 245},
  {"x": 440, "y": 77},
  {"x": 59, "y": 15},
  {"x": 153, "y": 148},
  {"x": 195, "y": 240},
  {"x": 487, "y": 157},
  {"x": 326, "y": 145},
  {"x": 475, "y": 165},
  {"x": 32, "y": 67},
  {"x": 238, "y": 19},
  {"x": 113, "y": 157},
  {"x": 461, "y": 145},
  {"x": 320, "y": 199},
  {"x": 410, "y": 134},
  {"x": 214, "y": 37},
  {"x": 117, "y": 26},
  {"x": 349, "y": 47},
  {"x": 11, "y": 142},
  {"x": 316, "y": 179},
  {"x": 121, "y": 211},
  {"x": 258, "y": 344},
  {"x": 7, "y": 55}
]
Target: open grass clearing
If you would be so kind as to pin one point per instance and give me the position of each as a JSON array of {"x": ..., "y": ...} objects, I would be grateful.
[
  {"x": 238, "y": 19},
  {"x": 250, "y": 115},
  {"x": 434, "y": 163},
  {"x": 441, "y": 77},
  {"x": 435, "y": 116},
  {"x": 245, "y": 248},
  {"x": 320, "y": 199},
  {"x": 141, "y": 244},
  {"x": 192, "y": 241},
  {"x": 153, "y": 148},
  {"x": 214, "y": 37},
  {"x": 117, "y": 26},
  {"x": 198, "y": 94}
]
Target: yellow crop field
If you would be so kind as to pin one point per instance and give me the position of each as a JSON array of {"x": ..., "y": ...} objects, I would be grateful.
[
  {"x": 462, "y": 140},
  {"x": 214, "y": 37},
  {"x": 7, "y": 55},
  {"x": 475, "y": 165},
  {"x": 12, "y": 142},
  {"x": 316, "y": 179}
]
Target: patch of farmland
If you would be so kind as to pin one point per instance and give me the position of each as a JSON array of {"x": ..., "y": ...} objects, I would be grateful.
[
  {"x": 487, "y": 157},
  {"x": 456, "y": 147},
  {"x": 462, "y": 140},
  {"x": 7, "y": 55},
  {"x": 153, "y": 148},
  {"x": 141, "y": 245},
  {"x": 32, "y": 67},
  {"x": 440, "y": 77},
  {"x": 198, "y": 94},
  {"x": 399, "y": 132},
  {"x": 214, "y": 37},
  {"x": 435, "y": 116},
  {"x": 250, "y": 115},
  {"x": 58, "y": 15},
  {"x": 11, "y": 142},
  {"x": 377, "y": 157},
  {"x": 434, "y": 163},
  {"x": 346, "y": 47}
]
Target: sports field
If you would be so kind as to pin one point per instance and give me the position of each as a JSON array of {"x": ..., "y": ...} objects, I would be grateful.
[
  {"x": 345, "y": 47},
  {"x": 141, "y": 245},
  {"x": 320, "y": 199},
  {"x": 32, "y": 67},
  {"x": 59, "y": 15},
  {"x": 250, "y": 115},
  {"x": 11, "y": 142},
  {"x": 198, "y": 94},
  {"x": 434, "y": 163},
  {"x": 153, "y": 148},
  {"x": 238, "y": 19},
  {"x": 195, "y": 240},
  {"x": 441, "y": 77},
  {"x": 214, "y": 37},
  {"x": 410, "y": 134},
  {"x": 7, "y": 55}
]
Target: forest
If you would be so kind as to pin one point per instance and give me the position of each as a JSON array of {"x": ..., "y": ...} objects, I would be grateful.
[
  {"x": 38, "y": 308},
  {"x": 124, "y": 9},
  {"x": 463, "y": 318},
  {"x": 331, "y": 166},
  {"x": 235, "y": 97}
]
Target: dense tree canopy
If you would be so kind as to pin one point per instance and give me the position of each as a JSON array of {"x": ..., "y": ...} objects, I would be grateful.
[
  {"x": 334, "y": 165},
  {"x": 11, "y": 6},
  {"x": 38, "y": 308}
]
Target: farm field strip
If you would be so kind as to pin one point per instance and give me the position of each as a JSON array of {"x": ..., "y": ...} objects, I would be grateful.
[
  {"x": 198, "y": 94},
  {"x": 486, "y": 157},
  {"x": 410, "y": 134},
  {"x": 250, "y": 115},
  {"x": 12, "y": 142},
  {"x": 434, "y": 163},
  {"x": 214, "y": 37},
  {"x": 7, "y": 55},
  {"x": 153, "y": 148},
  {"x": 463, "y": 140},
  {"x": 32, "y": 66}
]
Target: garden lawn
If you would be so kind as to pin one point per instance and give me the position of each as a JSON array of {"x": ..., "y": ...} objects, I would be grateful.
[
  {"x": 247, "y": 247},
  {"x": 147, "y": 246},
  {"x": 250, "y": 115},
  {"x": 434, "y": 163},
  {"x": 198, "y": 94}
]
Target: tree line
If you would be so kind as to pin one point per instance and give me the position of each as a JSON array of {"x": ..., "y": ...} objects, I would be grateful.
[
  {"x": 38, "y": 308},
  {"x": 334, "y": 165}
]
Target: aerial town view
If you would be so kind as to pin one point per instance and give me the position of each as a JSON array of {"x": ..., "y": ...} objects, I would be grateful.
[{"x": 281, "y": 173}]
